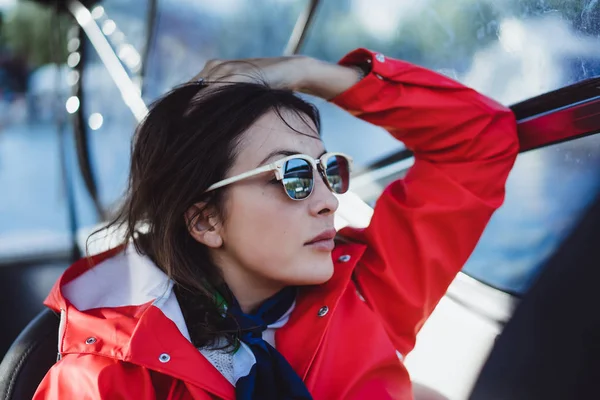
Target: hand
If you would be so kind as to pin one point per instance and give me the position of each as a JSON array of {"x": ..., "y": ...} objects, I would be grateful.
[
  {"x": 298, "y": 73},
  {"x": 277, "y": 72}
]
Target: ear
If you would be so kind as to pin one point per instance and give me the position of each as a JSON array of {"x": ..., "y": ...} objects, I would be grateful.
[{"x": 204, "y": 225}]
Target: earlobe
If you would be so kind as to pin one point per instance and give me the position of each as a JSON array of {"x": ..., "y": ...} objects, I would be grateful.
[
  {"x": 207, "y": 234},
  {"x": 212, "y": 239}
]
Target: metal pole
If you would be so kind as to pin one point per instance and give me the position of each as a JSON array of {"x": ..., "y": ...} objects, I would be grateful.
[{"x": 299, "y": 33}]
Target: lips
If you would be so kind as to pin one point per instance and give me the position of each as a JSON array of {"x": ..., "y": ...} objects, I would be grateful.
[
  {"x": 329, "y": 234},
  {"x": 324, "y": 241}
]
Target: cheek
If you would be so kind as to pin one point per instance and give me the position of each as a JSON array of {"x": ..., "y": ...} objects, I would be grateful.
[
  {"x": 264, "y": 223},
  {"x": 266, "y": 232}
]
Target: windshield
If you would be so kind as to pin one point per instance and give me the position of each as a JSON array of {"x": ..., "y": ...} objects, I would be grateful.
[
  {"x": 510, "y": 50},
  {"x": 499, "y": 47}
]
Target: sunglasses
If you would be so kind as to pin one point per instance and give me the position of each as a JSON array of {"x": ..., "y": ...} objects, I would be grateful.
[{"x": 297, "y": 173}]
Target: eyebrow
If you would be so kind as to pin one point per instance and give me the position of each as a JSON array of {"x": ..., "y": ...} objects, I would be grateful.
[{"x": 284, "y": 153}]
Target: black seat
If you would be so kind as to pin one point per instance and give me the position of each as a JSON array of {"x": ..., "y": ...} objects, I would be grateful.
[
  {"x": 23, "y": 287},
  {"x": 30, "y": 357},
  {"x": 550, "y": 349}
]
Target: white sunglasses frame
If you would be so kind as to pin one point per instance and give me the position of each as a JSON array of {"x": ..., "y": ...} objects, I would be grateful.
[{"x": 277, "y": 166}]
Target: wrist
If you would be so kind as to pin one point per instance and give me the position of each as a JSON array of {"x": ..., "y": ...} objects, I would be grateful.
[
  {"x": 308, "y": 71},
  {"x": 326, "y": 80}
]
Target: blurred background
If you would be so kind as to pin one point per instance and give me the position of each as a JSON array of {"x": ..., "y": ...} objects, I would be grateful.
[{"x": 69, "y": 105}]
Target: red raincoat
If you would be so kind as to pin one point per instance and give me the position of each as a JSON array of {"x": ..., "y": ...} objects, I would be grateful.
[{"x": 423, "y": 229}]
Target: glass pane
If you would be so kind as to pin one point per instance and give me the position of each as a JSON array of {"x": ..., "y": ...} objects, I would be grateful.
[
  {"x": 510, "y": 50},
  {"x": 338, "y": 174},
  {"x": 33, "y": 206},
  {"x": 547, "y": 192},
  {"x": 189, "y": 33}
]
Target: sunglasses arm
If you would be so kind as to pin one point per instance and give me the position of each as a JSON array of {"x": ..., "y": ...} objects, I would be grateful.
[{"x": 245, "y": 175}]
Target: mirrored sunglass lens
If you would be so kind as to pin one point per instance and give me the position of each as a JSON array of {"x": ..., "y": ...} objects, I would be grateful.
[
  {"x": 338, "y": 173},
  {"x": 297, "y": 178}
]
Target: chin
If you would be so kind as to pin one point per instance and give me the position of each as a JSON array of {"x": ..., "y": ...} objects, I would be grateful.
[{"x": 321, "y": 273}]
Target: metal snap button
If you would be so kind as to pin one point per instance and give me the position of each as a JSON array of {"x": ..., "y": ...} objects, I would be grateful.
[
  {"x": 344, "y": 258},
  {"x": 323, "y": 311},
  {"x": 380, "y": 57},
  {"x": 164, "y": 357},
  {"x": 90, "y": 340}
]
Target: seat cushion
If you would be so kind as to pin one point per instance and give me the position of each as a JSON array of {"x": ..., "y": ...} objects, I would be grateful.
[{"x": 30, "y": 357}]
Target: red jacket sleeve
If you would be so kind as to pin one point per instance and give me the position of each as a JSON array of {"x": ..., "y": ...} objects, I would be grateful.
[{"x": 425, "y": 226}]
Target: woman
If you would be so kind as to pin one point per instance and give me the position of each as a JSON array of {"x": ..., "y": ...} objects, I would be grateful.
[{"x": 233, "y": 283}]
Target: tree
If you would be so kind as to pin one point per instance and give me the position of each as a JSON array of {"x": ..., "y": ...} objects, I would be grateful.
[{"x": 32, "y": 32}]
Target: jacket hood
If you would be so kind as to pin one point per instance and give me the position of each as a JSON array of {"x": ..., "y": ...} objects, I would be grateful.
[
  {"x": 119, "y": 304},
  {"x": 112, "y": 290}
]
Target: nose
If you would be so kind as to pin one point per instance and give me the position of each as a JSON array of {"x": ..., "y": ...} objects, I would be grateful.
[{"x": 322, "y": 200}]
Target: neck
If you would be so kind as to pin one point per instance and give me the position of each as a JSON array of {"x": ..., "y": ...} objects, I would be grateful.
[
  {"x": 251, "y": 294},
  {"x": 249, "y": 288}
]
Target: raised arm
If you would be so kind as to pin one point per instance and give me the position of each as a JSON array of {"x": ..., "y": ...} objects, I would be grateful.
[{"x": 426, "y": 225}]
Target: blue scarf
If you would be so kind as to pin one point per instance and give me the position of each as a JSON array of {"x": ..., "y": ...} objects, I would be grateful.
[{"x": 272, "y": 377}]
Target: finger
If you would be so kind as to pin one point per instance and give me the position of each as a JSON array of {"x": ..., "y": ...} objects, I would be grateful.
[{"x": 209, "y": 69}]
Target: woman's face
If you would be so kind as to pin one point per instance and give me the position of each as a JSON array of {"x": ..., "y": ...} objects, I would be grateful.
[{"x": 266, "y": 235}]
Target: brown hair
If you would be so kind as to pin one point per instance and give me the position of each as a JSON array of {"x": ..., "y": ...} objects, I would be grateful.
[{"x": 188, "y": 141}]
